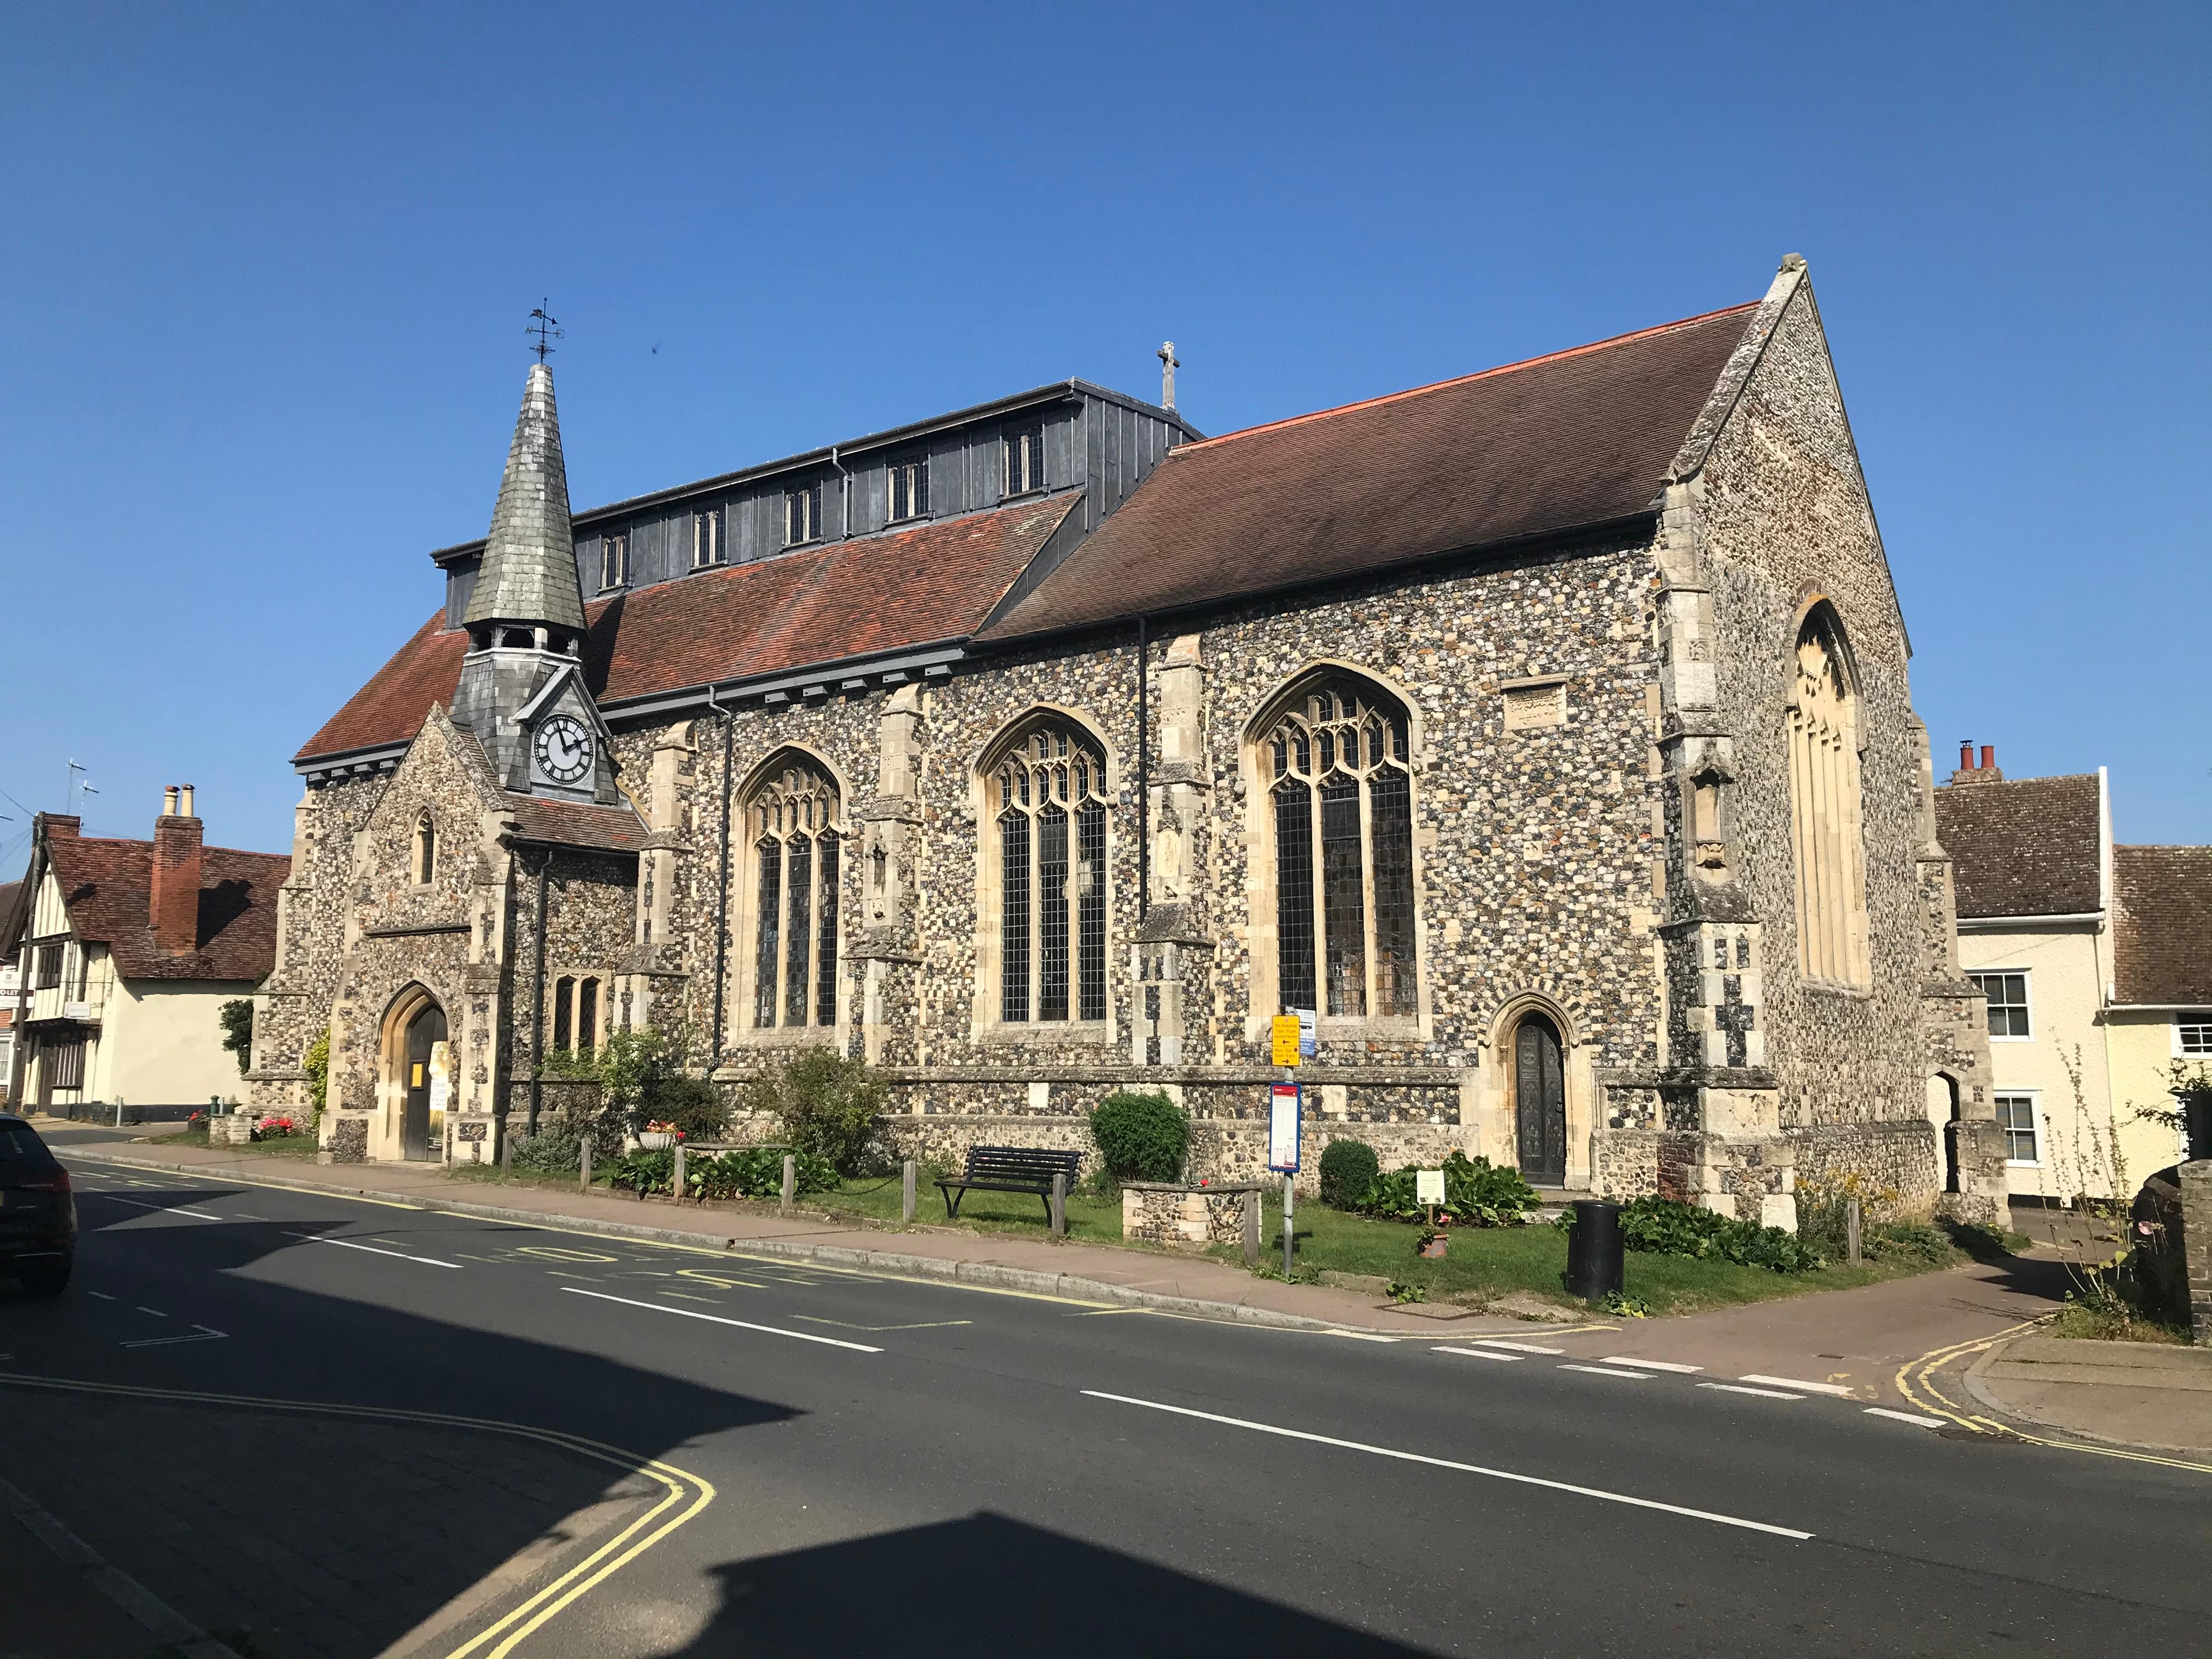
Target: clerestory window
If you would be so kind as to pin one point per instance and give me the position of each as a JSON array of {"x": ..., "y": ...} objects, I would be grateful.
[
  {"x": 706, "y": 538},
  {"x": 1340, "y": 787},
  {"x": 909, "y": 488},
  {"x": 802, "y": 515},
  {"x": 1025, "y": 459},
  {"x": 614, "y": 560},
  {"x": 1048, "y": 802},
  {"x": 796, "y": 846}
]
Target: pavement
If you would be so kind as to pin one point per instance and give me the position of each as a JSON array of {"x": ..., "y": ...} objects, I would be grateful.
[
  {"x": 2152, "y": 1394},
  {"x": 326, "y": 1423}
]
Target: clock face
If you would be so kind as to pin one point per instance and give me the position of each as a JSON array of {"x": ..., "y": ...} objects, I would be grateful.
[{"x": 564, "y": 749}]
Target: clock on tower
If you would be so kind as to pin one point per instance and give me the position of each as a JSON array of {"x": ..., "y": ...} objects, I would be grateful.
[{"x": 564, "y": 748}]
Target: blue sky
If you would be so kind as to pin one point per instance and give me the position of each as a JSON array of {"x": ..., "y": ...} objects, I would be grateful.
[{"x": 264, "y": 273}]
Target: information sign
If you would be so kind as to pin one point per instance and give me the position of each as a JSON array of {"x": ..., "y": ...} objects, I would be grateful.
[
  {"x": 1428, "y": 1187},
  {"x": 1283, "y": 1128},
  {"x": 1285, "y": 1031},
  {"x": 1305, "y": 1032}
]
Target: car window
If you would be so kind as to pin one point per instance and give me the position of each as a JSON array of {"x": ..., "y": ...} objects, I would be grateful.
[{"x": 18, "y": 1145}]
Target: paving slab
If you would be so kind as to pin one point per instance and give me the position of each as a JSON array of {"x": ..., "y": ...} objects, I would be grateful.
[{"x": 2142, "y": 1393}]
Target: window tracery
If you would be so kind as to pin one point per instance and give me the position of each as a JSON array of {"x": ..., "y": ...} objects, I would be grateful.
[
  {"x": 792, "y": 815},
  {"x": 1047, "y": 797}
]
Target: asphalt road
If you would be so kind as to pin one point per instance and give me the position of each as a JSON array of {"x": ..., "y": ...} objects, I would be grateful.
[{"x": 609, "y": 1449}]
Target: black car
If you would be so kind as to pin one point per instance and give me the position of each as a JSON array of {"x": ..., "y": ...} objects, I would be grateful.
[{"x": 37, "y": 1212}]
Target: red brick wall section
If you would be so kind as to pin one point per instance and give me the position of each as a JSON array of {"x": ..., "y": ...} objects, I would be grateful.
[{"x": 175, "y": 904}]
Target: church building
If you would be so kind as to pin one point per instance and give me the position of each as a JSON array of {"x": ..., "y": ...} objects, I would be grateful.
[{"x": 1544, "y": 731}]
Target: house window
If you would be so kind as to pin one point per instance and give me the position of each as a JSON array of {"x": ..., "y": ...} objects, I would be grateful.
[
  {"x": 426, "y": 850},
  {"x": 706, "y": 539},
  {"x": 65, "y": 1063},
  {"x": 2007, "y": 995},
  {"x": 802, "y": 515},
  {"x": 1050, "y": 799},
  {"x": 909, "y": 488},
  {"x": 2016, "y": 1117},
  {"x": 1824, "y": 809},
  {"x": 793, "y": 814},
  {"x": 2192, "y": 1033},
  {"x": 614, "y": 560},
  {"x": 1342, "y": 794},
  {"x": 1025, "y": 459},
  {"x": 48, "y": 971}
]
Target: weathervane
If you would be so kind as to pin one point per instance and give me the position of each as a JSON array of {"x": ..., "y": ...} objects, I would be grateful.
[{"x": 546, "y": 327}]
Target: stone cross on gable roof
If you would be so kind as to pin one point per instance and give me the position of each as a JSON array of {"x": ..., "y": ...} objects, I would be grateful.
[{"x": 529, "y": 568}]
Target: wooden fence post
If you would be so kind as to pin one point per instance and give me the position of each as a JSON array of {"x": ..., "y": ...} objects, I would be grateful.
[
  {"x": 1851, "y": 1231},
  {"x": 1252, "y": 1228},
  {"x": 676, "y": 1182},
  {"x": 790, "y": 1182},
  {"x": 906, "y": 1194},
  {"x": 1059, "y": 1204},
  {"x": 584, "y": 1155}
]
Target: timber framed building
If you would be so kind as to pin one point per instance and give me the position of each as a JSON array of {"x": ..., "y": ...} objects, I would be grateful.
[{"x": 1547, "y": 731}]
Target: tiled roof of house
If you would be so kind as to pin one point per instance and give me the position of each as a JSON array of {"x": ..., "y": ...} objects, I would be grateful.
[
  {"x": 577, "y": 823},
  {"x": 108, "y": 885},
  {"x": 2162, "y": 935},
  {"x": 1575, "y": 438},
  {"x": 2023, "y": 848},
  {"x": 936, "y": 582}
]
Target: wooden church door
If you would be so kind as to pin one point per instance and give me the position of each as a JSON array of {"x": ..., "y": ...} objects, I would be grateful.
[{"x": 1539, "y": 1103}]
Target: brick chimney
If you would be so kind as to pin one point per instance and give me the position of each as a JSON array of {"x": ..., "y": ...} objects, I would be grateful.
[
  {"x": 176, "y": 896},
  {"x": 62, "y": 826},
  {"x": 1985, "y": 773}
]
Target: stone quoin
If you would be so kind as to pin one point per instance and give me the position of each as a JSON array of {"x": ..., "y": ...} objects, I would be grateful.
[{"x": 1546, "y": 729}]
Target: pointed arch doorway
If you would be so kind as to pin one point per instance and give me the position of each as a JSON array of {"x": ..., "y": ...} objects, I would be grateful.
[
  {"x": 1540, "y": 1102},
  {"x": 416, "y": 1073}
]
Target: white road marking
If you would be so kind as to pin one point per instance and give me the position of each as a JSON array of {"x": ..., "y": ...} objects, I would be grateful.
[
  {"x": 1905, "y": 1417},
  {"x": 717, "y": 1319},
  {"x": 347, "y": 1244},
  {"x": 164, "y": 1209},
  {"x": 1517, "y": 1347},
  {"x": 203, "y": 1215},
  {"x": 1764, "y": 1394},
  {"x": 1447, "y": 1463},
  {"x": 157, "y": 1312},
  {"x": 1836, "y": 1389},
  {"x": 102, "y": 1295},
  {"x": 205, "y": 1334},
  {"x": 1481, "y": 1353},
  {"x": 1362, "y": 1336},
  {"x": 1648, "y": 1365},
  {"x": 1602, "y": 1370}
]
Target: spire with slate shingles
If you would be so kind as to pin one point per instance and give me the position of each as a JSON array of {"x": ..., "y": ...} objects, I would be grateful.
[{"x": 529, "y": 568}]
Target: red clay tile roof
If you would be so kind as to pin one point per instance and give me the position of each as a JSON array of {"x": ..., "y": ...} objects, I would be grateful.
[
  {"x": 107, "y": 885},
  {"x": 937, "y": 581},
  {"x": 2162, "y": 935},
  {"x": 1577, "y": 438},
  {"x": 577, "y": 823},
  {"x": 2023, "y": 848}
]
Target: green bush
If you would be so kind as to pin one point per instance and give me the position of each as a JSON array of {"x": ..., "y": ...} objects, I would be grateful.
[
  {"x": 1477, "y": 1192},
  {"x": 316, "y": 1063},
  {"x": 556, "y": 1149},
  {"x": 757, "y": 1172},
  {"x": 645, "y": 1172},
  {"x": 1140, "y": 1137},
  {"x": 1348, "y": 1168},
  {"x": 1666, "y": 1226},
  {"x": 1905, "y": 1240},
  {"x": 829, "y": 1105},
  {"x": 237, "y": 1017},
  {"x": 692, "y": 1104}
]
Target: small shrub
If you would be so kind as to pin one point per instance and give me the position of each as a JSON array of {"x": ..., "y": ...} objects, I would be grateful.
[
  {"x": 1140, "y": 1137},
  {"x": 556, "y": 1149},
  {"x": 829, "y": 1105},
  {"x": 1665, "y": 1227},
  {"x": 316, "y": 1063},
  {"x": 1400, "y": 1291},
  {"x": 692, "y": 1104},
  {"x": 757, "y": 1172},
  {"x": 1627, "y": 1306},
  {"x": 645, "y": 1172},
  {"x": 1348, "y": 1168},
  {"x": 1477, "y": 1194},
  {"x": 1906, "y": 1240}
]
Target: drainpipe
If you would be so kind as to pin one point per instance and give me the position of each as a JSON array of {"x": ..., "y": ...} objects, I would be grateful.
[
  {"x": 844, "y": 497},
  {"x": 537, "y": 1002},
  {"x": 1144, "y": 784},
  {"x": 722, "y": 887}
]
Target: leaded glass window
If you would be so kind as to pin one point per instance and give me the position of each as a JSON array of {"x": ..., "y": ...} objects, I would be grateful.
[
  {"x": 1341, "y": 786},
  {"x": 1049, "y": 797},
  {"x": 792, "y": 819}
]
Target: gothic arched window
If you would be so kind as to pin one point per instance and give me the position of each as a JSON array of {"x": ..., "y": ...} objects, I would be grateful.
[
  {"x": 1823, "y": 807},
  {"x": 792, "y": 818},
  {"x": 1340, "y": 787},
  {"x": 1047, "y": 802},
  {"x": 426, "y": 850}
]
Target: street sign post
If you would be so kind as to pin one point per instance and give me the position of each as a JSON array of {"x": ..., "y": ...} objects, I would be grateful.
[{"x": 1283, "y": 1127}]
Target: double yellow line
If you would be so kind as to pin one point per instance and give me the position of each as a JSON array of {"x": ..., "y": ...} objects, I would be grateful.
[
  {"x": 1916, "y": 1381},
  {"x": 683, "y": 1496}
]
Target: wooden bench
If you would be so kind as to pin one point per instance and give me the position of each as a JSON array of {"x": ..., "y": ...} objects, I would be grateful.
[{"x": 1009, "y": 1170}]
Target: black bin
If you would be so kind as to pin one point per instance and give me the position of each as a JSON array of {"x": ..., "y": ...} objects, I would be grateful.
[{"x": 1593, "y": 1250}]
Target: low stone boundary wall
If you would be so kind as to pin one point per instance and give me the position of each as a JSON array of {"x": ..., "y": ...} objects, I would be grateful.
[{"x": 1169, "y": 1212}]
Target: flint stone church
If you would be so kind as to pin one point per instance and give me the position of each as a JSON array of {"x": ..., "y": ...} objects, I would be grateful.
[{"x": 1545, "y": 731}]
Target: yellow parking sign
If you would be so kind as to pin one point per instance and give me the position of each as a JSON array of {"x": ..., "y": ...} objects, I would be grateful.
[{"x": 1285, "y": 1032}]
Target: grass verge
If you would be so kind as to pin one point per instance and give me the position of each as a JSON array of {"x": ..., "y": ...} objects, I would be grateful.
[{"x": 274, "y": 1146}]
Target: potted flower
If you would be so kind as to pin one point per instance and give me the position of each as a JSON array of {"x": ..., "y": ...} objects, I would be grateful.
[
  {"x": 657, "y": 1136},
  {"x": 1432, "y": 1243}
]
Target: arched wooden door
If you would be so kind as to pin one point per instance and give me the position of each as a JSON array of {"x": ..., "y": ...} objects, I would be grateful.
[
  {"x": 424, "y": 1031},
  {"x": 1539, "y": 1103}
]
